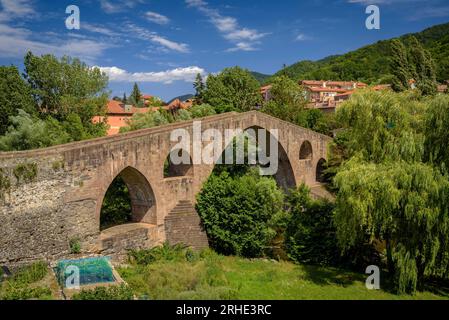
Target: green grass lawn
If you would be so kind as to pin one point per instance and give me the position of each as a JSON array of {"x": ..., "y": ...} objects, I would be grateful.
[
  {"x": 219, "y": 277},
  {"x": 209, "y": 276}
]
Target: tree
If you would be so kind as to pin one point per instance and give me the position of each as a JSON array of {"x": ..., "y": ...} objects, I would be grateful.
[
  {"x": 402, "y": 204},
  {"x": 238, "y": 213},
  {"x": 400, "y": 66},
  {"x": 311, "y": 232},
  {"x": 29, "y": 132},
  {"x": 136, "y": 95},
  {"x": 144, "y": 121},
  {"x": 234, "y": 89},
  {"x": 437, "y": 132},
  {"x": 125, "y": 99},
  {"x": 383, "y": 126},
  {"x": 415, "y": 63},
  {"x": 424, "y": 67},
  {"x": 202, "y": 110},
  {"x": 67, "y": 86},
  {"x": 199, "y": 88},
  {"x": 15, "y": 95}
]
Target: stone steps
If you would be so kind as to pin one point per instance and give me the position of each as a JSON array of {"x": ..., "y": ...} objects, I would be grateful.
[{"x": 183, "y": 226}]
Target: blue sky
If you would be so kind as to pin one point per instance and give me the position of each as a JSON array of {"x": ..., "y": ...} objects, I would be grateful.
[{"x": 162, "y": 44}]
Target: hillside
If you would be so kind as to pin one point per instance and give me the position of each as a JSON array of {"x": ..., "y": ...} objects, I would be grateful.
[
  {"x": 371, "y": 64},
  {"x": 182, "y": 98},
  {"x": 260, "y": 76}
]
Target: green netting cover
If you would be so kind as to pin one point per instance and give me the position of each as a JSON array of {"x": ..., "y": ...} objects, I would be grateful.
[{"x": 91, "y": 270}]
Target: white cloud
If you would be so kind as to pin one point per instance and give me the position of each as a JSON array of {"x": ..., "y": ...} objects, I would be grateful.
[
  {"x": 242, "y": 46},
  {"x": 157, "y": 18},
  {"x": 94, "y": 28},
  {"x": 12, "y": 9},
  {"x": 15, "y": 42},
  {"x": 155, "y": 38},
  {"x": 187, "y": 74},
  {"x": 245, "y": 39},
  {"x": 301, "y": 37},
  {"x": 109, "y": 6}
]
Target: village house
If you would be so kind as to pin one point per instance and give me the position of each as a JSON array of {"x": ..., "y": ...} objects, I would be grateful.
[{"x": 118, "y": 114}]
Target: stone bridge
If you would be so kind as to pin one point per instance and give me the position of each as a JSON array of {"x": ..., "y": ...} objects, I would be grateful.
[{"x": 52, "y": 197}]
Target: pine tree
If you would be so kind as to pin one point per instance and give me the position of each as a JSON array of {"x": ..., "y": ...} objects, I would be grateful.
[
  {"x": 199, "y": 88},
  {"x": 400, "y": 66},
  {"x": 136, "y": 95}
]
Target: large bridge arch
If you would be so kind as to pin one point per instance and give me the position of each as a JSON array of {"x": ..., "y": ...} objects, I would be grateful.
[{"x": 141, "y": 194}]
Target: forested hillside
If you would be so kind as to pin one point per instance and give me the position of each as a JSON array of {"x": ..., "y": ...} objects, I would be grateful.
[{"x": 371, "y": 64}]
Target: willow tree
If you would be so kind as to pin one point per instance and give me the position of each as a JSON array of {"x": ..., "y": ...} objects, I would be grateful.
[
  {"x": 383, "y": 126},
  {"x": 437, "y": 132},
  {"x": 405, "y": 205},
  {"x": 385, "y": 189}
]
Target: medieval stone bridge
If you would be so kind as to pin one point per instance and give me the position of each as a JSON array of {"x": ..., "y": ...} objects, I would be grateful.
[{"x": 51, "y": 197}]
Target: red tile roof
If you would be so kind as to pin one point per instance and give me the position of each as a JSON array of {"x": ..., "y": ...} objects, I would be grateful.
[
  {"x": 321, "y": 89},
  {"x": 117, "y": 107}
]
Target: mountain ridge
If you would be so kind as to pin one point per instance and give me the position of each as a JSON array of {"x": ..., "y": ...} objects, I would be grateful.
[{"x": 371, "y": 63}]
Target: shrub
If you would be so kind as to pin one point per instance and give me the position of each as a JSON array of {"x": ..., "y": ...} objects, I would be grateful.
[
  {"x": 237, "y": 213},
  {"x": 122, "y": 292},
  {"x": 75, "y": 246},
  {"x": 311, "y": 235}
]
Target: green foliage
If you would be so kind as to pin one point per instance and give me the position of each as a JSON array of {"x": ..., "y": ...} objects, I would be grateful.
[
  {"x": 27, "y": 293},
  {"x": 383, "y": 126},
  {"x": 122, "y": 292},
  {"x": 311, "y": 234},
  {"x": 400, "y": 66},
  {"x": 158, "y": 118},
  {"x": 201, "y": 111},
  {"x": 22, "y": 285},
  {"x": 404, "y": 204},
  {"x": 200, "y": 87},
  {"x": 437, "y": 132},
  {"x": 67, "y": 86},
  {"x": 116, "y": 208},
  {"x": 371, "y": 64},
  {"x": 288, "y": 103},
  {"x": 75, "y": 246},
  {"x": 144, "y": 121},
  {"x": 238, "y": 212},
  {"x": 30, "y": 274},
  {"x": 234, "y": 89},
  {"x": 15, "y": 95},
  {"x": 136, "y": 96},
  {"x": 415, "y": 63},
  {"x": 25, "y": 172},
  {"x": 161, "y": 253},
  {"x": 286, "y": 92},
  {"x": 28, "y": 132}
]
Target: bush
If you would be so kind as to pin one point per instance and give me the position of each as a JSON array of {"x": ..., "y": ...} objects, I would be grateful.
[
  {"x": 311, "y": 236},
  {"x": 122, "y": 292},
  {"x": 237, "y": 212},
  {"x": 75, "y": 246}
]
